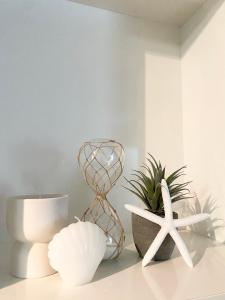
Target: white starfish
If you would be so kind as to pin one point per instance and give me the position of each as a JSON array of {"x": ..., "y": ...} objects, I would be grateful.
[{"x": 168, "y": 225}]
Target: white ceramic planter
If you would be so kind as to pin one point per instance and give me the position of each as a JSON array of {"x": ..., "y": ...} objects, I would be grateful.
[{"x": 33, "y": 221}]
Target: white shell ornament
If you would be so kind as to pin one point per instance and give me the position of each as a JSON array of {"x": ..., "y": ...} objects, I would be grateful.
[{"x": 76, "y": 252}]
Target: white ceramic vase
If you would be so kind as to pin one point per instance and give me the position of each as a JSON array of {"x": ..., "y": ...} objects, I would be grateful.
[{"x": 33, "y": 221}]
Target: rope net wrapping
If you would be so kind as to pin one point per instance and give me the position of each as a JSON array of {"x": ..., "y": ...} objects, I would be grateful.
[{"x": 101, "y": 162}]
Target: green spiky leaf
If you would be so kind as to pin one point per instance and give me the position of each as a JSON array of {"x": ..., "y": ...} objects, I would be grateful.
[{"x": 146, "y": 184}]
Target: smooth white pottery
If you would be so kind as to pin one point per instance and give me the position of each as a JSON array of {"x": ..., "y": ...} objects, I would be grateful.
[
  {"x": 32, "y": 221},
  {"x": 76, "y": 252}
]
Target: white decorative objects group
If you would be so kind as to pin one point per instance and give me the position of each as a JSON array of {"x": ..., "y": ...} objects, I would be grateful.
[
  {"x": 43, "y": 245},
  {"x": 33, "y": 221},
  {"x": 168, "y": 225},
  {"x": 76, "y": 252}
]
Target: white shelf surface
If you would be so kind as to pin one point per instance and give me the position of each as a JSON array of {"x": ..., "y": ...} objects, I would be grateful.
[{"x": 126, "y": 279}]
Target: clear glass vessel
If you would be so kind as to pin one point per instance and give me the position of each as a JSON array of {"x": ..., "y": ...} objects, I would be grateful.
[{"x": 101, "y": 162}]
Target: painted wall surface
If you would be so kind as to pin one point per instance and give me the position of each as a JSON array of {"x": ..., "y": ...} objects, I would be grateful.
[
  {"x": 70, "y": 73},
  {"x": 163, "y": 110},
  {"x": 203, "y": 93}
]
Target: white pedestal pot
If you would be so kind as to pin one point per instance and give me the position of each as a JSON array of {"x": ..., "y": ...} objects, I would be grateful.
[{"x": 33, "y": 221}]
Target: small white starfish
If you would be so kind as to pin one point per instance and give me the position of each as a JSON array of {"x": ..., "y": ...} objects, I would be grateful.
[{"x": 168, "y": 225}]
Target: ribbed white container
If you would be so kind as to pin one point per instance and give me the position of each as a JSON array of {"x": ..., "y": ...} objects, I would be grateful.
[{"x": 33, "y": 220}]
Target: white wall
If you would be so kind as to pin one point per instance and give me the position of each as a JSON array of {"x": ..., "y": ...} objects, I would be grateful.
[
  {"x": 163, "y": 113},
  {"x": 203, "y": 93},
  {"x": 69, "y": 73}
]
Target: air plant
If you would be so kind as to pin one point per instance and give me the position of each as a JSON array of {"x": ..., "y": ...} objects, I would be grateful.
[{"x": 146, "y": 185}]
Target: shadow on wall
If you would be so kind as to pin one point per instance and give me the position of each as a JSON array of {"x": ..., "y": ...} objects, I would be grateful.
[
  {"x": 5, "y": 248},
  {"x": 212, "y": 224},
  {"x": 208, "y": 227},
  {"x": 5, "y": 190},
  {"x": 6, "y": 278},
  {"x": 192, "y": 29}
]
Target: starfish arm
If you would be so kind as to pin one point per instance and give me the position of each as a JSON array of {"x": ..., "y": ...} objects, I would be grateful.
[
  {"x": 181, "y": 247},
  {"x": 191, "y": 220},
  {"x": 145, "y": 214},
  {"x": 166, "y": 200},
  {"x": 155, "y": 246}
]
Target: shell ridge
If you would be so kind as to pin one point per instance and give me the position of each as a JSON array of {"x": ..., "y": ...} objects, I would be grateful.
[{"x": 76, "y": 252}]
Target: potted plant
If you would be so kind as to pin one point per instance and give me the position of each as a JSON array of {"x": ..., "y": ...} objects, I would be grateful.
[{"x": 146, "y": 185}]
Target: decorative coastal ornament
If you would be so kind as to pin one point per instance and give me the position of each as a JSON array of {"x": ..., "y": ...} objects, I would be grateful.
[
  {"x": 76, "y": 252},
  {"x": 101, "y": 162},
  {"x": 168, "y": 225},
  {"x": 33, "y": 220}
]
